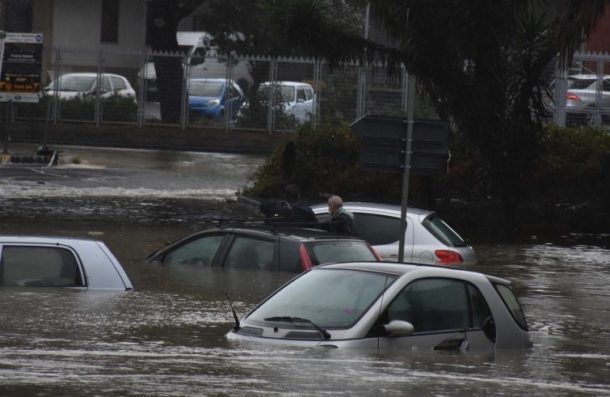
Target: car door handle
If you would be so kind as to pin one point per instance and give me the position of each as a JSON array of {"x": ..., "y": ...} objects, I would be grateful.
[{"x": 452, "y": 344}]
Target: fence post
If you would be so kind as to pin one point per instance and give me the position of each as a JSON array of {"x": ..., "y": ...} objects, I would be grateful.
[
  {"x": 317, "y": 81},
  {"x": 98, "y": 86},
  {"x": 271, "y": 95},
  {"x": 560, "y": 91}
]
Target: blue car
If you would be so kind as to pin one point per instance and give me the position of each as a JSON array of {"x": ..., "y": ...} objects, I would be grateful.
[{"x": 212, "y": 98}]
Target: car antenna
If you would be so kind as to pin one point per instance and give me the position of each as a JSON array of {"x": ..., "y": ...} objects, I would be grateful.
[{"x": 237, "y": 326}]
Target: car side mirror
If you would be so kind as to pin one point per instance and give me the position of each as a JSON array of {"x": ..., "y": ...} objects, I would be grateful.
[{"x": 399, "y": 328}]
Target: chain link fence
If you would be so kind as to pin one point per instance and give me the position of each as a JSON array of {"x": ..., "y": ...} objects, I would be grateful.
[{"x": 260, "y": 93}]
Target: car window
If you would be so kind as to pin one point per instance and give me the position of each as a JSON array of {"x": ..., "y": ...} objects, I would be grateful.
[
  {"x": 118, "y": 83},
  {"x": 301, "y": 94},
  {"x": 480, "y": 309},
  {"x": 206, "y": 88},
  {"x": 200, "y": 251},
  {"x": 308, "y": 93},
  {"x": 106, "y": 87},
  {"x": 331, "y": 298},
  {"x": 433, "y": 304},
  {"x": 290, "y": 257},
  {"x": 39, "y": 267},
  {"x": 580, "y": 84},
  {"x": 511, "y": 302},
  {"x": 443, "y": 232},
  {"x": 377, "y": 229},
  {"x": 250, "y": 253},
  {"x": 340, "y": 251},
  {"x": 74, "y": 83},
  {"x": 606, "y": 85}
]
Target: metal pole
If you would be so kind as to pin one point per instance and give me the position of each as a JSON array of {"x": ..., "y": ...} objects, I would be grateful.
[{"x": 407, "y": 170}]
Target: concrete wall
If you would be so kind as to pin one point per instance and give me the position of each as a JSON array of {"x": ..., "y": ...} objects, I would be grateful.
[{"x": 77, "y": 24}]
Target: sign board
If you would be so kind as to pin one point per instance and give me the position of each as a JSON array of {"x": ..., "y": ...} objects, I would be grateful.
[
  {"x": 384, "y": 143},
  {"x": 20, "y": 72}
]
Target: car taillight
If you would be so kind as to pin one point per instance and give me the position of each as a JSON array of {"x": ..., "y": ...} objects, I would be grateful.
[
  {"x": 375, "y": 252},
  {"x": 305, "y": 259},
  {"x": 447, "y": 257},
  {"x": 572, "y": 97}
]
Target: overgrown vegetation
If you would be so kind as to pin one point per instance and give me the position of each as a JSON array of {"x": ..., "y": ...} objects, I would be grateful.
[{"x": 572, "y": 170}]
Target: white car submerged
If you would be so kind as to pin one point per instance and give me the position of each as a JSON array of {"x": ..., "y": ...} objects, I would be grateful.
[
  {"x": 31, "y": 261},
  {"x": 428, "y": 239},
  {"x": 389, "y": 307}
]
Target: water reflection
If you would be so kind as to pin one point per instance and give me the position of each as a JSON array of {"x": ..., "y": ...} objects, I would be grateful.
[{"x": 167, "y": 337}]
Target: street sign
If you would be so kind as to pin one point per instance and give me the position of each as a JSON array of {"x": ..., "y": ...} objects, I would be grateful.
[
  {"x": 20, "y": 71},
  {"x": 384, "y": 145}
]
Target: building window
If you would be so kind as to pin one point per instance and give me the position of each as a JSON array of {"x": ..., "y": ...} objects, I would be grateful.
[
  {"x": 110, "y": 21},
  {"x": 18, "y": 16}
]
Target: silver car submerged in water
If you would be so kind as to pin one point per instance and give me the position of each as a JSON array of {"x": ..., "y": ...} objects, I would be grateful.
[
  {"x": 32, "y": 261},
  {"x": 428, "y": 239},
  {"x": 389, "y": 307}
]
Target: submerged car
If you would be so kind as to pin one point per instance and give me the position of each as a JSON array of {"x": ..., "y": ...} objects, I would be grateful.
[
  {"x": 84, "y": 85},
  {"x": 60, "y": 262},
  {"x": 212, "y": 98},
  {"x": 269, "y": 248},
  {"x": 389, "y": 307},
  {"x": 428, "y": 238}
]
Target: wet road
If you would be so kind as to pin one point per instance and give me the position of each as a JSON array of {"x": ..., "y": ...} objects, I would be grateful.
[{"x": 167, "y": 337}]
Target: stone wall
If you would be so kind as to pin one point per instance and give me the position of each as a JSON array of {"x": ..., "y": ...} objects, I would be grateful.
[{"x": 148, "y": 137}]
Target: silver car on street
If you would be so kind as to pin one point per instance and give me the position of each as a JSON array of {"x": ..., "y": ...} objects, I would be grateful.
[{"x": 388, "y": 308}]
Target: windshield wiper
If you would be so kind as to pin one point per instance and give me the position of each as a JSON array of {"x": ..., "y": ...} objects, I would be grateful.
[{"x": 323, "y": 333}]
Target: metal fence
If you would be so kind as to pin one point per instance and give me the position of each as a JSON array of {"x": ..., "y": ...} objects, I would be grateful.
[
  {"x": 170, "y": 89},
  {"x": 164, "y": 91},
  {"x": 582, "y": 93}
]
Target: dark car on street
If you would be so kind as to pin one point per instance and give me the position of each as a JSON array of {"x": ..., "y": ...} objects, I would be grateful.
[{"x": 268, "y": 248}]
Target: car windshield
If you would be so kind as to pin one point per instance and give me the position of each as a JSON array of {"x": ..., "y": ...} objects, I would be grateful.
[
  {"x": 206, "y": 88},
  {"x": 331, "y": 298},
  {"x": 283, "y": 93},
  {"x": 73, "y": 83},
  {"x": 341, "y": 251},
  {"x": 443, "y": 231},
  {"x": 579, "y": 84}
]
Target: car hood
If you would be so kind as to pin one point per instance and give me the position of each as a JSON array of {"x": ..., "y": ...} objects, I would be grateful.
[{"x": 202, "y": 99}]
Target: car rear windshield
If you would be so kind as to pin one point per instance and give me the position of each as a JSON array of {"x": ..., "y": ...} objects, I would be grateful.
[
  {"x": 511, "y": 302},
  {"x": 330, "y": 298},
  {"x": 443, "y": 231},
  {"x": 341, "y": 251},
  {"x": 579, "y": 84},
  {"x": 206, "y": 88}
]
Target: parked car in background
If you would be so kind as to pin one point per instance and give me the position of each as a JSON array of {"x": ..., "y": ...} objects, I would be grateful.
[
  {"x": 212, "y": 98},
  {"x": 29, "y": 261},
  {"x": 428, "y": 239},
  {"x": 269, "y": 248},
  {"x": 293, "y": 98},
  {"x": 388, "y": 307},
  {"x": 582, "y": 91},
  {"x": 85, "y": 85}
]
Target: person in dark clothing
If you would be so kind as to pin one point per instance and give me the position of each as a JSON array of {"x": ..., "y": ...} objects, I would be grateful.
[{"x": 341, "y": 221}]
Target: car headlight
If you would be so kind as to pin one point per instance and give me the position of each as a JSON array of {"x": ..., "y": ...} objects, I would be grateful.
[{"x": 214, "y": 102}]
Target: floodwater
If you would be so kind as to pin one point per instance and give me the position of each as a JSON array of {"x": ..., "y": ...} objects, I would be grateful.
[{"x": 166, "y": 338}]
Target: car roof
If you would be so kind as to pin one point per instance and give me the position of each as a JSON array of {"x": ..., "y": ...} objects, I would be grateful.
[
  {"x": 287, "y": 231},
  {"x": 286, "y": 83},
  {"x": 585, "y": 76},
  {"x": 92, "y": 74},
  {"x": 381, "y": 206},
  {"x": 43, "y": 239},
  {"x": 400, "y": 269},
  {"x": 216, "y": 80}
]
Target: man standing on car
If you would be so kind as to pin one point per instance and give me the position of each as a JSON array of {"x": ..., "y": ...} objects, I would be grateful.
[{"x": 341, "y": 221}]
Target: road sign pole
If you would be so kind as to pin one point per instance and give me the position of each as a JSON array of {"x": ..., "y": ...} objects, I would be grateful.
[{"x": 407, "y": 171}]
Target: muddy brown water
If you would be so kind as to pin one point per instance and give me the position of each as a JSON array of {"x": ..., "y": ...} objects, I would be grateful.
[{"x": 167, "y": 337}]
